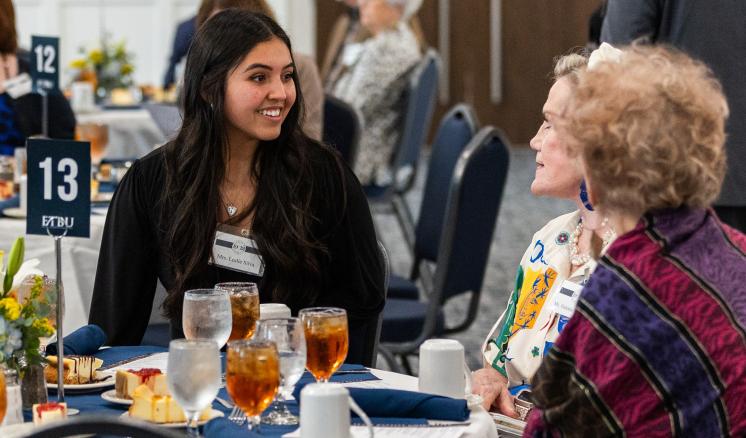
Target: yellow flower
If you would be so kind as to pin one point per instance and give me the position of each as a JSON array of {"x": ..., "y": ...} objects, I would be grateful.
[
  {"x": 43, "y": 325},
  {"x": 11, "y": 308},
  {"x": 96, "y": 56},
  {"x": 127, "y": 69},
  {"x": 78, "y": 63}
]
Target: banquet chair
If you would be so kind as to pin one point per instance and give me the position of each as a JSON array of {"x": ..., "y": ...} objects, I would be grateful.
[
  {"x": 474, "y": 199},
  {"x": 386, "y": 278},
  {"x": 342, "y": 126},
  {"x": 104, "y": 425},
  {"x": 455, "y": 131},
  {"x": 421, "y": 93}
]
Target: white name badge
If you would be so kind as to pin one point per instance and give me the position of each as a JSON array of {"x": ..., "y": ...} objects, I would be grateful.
[
  {"x": 565, "y": 299},
  {"x": 18, "y": 86},
  {"x": 237, "y": 253}
]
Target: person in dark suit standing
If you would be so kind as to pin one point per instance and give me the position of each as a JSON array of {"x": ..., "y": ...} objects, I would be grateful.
[
  {"x": 713, "y": 31},
  {"x": 183, "y": 39}
]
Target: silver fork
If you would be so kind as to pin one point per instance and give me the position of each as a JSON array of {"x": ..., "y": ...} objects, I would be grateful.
[{"x": 237, "y": 416}]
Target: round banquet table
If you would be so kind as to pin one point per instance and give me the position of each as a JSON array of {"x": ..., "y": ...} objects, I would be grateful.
[{"x": 480, "y": 423}]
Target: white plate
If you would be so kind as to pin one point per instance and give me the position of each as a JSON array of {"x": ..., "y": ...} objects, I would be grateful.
[
  {"x": 15, "y": 212},
  {"x": 111, "y": 396},
  {"x": 88, "y": 386},
  {"x": 214, "y": 413}
]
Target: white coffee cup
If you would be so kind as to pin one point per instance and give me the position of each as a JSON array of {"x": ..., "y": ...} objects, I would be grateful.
[
  {"x": 325, "y": 411},
  {"x": 273, "y": 311},
  {"x": 442, "y": 368},
  {"x": 23, "y": 182}
]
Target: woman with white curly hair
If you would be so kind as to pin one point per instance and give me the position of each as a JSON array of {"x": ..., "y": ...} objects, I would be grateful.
[
  {"x": 374, "y": 80},
  {"x": 657, "y": 344}
]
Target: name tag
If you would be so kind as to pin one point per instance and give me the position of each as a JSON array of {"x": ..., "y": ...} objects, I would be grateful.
[
  {"x": 566, "y": 298},
  {"x": 237, "y": 253},
  {"x": 18, "y": 86}
]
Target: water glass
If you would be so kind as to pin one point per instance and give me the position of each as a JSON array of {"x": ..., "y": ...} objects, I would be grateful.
[
  {"x": 288, "y": 335},
  {"x": 326, "y": 334},
  {"x": 207, "y": 315},
  {"x": 244, "y": 299},
  {"x": 252, "y": 376},
  {"x": 193, "y": 377}
]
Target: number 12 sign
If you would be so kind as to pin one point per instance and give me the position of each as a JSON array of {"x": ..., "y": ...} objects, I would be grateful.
[{"x": 59, "y": 187}]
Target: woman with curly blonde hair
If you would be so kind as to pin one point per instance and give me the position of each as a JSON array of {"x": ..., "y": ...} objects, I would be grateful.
[{"x": 657, "y": 344}]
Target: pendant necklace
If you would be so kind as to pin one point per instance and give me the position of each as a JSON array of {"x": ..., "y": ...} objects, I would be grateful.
[{"x": 230, "y": 207}]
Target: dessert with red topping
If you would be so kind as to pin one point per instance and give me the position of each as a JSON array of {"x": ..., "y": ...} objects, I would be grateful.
[
  {"x": 46, "y": 412},
  {"x": 127, "y": 381}
]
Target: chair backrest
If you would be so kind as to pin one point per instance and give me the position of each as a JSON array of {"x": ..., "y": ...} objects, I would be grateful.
[
  {"x": 456, "y": 130},
  {"x": 103, "y": 425},
  {"x": 473, "y": 204},
  {"x": 342, "y": 127},
  {"x": 421, "y": 94},
  {"x": 386, "y": 277},
  {"x": 167, "y": 117}
]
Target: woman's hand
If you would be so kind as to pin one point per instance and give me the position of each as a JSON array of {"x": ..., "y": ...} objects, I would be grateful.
[{"x": 493, "y": 388}]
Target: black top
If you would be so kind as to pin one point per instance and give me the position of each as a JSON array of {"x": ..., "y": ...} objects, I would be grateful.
[
  {"x": 133, "y": 255},
  {"x": 27, "y": 110}
]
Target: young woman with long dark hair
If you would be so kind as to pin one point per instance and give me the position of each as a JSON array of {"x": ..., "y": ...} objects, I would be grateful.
[{"x": 240, "y": 167}]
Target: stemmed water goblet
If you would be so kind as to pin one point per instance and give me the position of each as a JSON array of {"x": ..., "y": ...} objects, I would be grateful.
[
  {"x": 287, "y": 334},
  {"x": 252, "y": 376},
  {"x": 327, "y": 341},
  {"x": 207, "y": 315},
  {"x": 193, "y": 377}
]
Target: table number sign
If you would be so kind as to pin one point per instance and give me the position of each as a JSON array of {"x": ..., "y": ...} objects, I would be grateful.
[
  {"x": 45, "y": 72},
  {"x": 59, "y": 187}
]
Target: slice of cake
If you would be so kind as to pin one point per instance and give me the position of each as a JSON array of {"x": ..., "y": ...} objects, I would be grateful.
[
  {"x": 78, "y": 370},
  {"x": 127, "y": 381},
  {"x": 148, "y": 406},
  {"x": 46, "y": 412}
]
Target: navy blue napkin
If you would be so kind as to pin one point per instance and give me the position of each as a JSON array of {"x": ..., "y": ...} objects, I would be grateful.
[
  {"x": 347, "y": 373},
  {"x": 224, "y": 428},
  {"x": 12, "y": 202},
  {"x": 82, "y": 342},
  {"x": 392, "y": 403}
]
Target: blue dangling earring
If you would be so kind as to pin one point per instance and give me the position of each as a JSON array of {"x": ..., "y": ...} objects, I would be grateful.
[{"x": 584, "y": 196}]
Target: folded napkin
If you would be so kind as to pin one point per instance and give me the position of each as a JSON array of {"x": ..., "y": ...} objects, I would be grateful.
[
  {"x": 392, "y": 403},
  {"x": 82, "y": 342},
  {"x": 347, "y": 373}
]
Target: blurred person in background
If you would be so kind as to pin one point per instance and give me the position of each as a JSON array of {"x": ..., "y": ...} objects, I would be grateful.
[
  {"x": 182, "y": 39},
  {"x": 305, "y": 66},
  {"x": 715, "y": 33},
  {"x": 241, "y": 165},
  {"x": 559, "y": 255},
  {"x": 657, "y": 344},
  {"x": 21, "y": 109},
  {"x": 374, "y": 81}
]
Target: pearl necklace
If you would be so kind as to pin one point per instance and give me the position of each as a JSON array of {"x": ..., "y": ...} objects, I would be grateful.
[{"x": 577, "y": 259}]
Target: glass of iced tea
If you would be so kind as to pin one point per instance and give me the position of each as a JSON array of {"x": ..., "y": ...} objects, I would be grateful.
[
  {"x": 252, "y": 376},
  {"x": 98, "y": 135},
  {"x": 326, "y": 340},
  {"x": 244, "y": 308}
]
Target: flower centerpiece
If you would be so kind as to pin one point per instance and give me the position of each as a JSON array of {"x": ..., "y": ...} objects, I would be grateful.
[
  {"x": 24, "y": 314},
  {"x": 111, "y": 63}
]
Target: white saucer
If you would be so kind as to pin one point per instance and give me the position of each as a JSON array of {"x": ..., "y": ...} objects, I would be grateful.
[
  {"x": 15, "y": 213},
  {"x": 214, "y": 413},
  {"x": 111, "y": 396}
]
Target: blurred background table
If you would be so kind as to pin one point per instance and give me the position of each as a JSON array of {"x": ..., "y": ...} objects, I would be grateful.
[
  {"x": 132, "y": 132},
  {"x": 79, "y": 260}
]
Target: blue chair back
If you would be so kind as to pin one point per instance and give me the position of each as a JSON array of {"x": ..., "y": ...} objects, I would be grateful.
[
  {"x": 166, "y": 116},
  {"x": 454, "y": 133},
  {"x": 474, "y": 201},
  {"x": 342, "y": 126},
  {"x": 420, "y": 94}
]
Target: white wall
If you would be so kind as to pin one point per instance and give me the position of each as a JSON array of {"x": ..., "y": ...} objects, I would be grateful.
[{"x": 147, "y": 26}]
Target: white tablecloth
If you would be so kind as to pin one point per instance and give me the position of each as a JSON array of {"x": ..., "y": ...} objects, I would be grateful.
[
  {"x": 79, "y": 259},
  {"x": 132, "y": 133}
]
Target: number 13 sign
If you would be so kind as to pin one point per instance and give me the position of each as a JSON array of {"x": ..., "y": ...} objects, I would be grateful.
[{"x": 59, "y": 187}]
